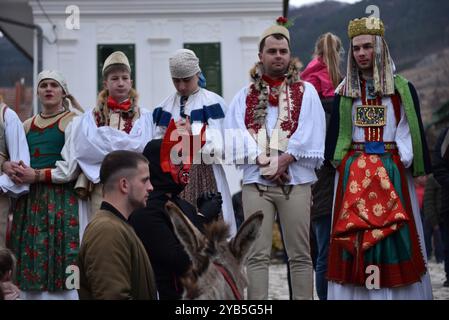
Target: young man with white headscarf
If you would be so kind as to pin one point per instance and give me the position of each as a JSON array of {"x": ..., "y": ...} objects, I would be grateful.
[
  {"x": 193, "y": 107},
  {"x": 377, "y": 141}
]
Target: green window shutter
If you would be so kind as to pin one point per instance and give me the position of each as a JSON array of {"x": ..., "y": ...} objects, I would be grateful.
[
  {"x": 104, "y": 50},
  {"x": 210, "y": 63}
]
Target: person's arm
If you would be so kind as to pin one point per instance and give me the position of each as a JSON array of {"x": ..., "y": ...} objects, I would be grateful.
[
  {"x": 440, "y": 166},
  {"x": 93, "y": 143},
  {"x": 314, "y": 80},
  {"x": 66, "y": 169},
  {"x": 240, "y": 146},
  {"x": 332, "y": 132},
  {"x": 306, "y": 144},
  {"x": 214, "y": 114},
  {"x": 154, "y": 229},
  {"x": 107, "y": 264},
  {"x": 403, "y": 140},
  {"x": 18, "y": 151}
]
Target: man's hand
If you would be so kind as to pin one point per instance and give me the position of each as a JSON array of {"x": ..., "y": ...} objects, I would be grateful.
[
  {"x": 184, "y": 127},
  {"x": 25, "y": 174},
  {"x": 12, "y": 170},
  {"x": 262, "y": 160},
  {"x": 209, "y": 205},
  {"x": 278, "y": 169}
]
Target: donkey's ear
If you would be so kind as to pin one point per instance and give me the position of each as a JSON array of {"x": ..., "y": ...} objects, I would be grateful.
[
  {"x": 246, "y": 235},
  {"x": 186, "y": 232}
]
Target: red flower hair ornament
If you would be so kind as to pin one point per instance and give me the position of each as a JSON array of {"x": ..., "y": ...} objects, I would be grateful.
[{"x": 283, "y": 21}]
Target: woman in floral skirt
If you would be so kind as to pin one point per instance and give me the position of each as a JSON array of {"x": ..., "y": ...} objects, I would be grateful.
[{"x": 45, "y": 232}]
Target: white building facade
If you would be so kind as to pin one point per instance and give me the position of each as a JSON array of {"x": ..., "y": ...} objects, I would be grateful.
[
  {"x": 223, "y": 33},
  {"x": 151, "y": 31}
]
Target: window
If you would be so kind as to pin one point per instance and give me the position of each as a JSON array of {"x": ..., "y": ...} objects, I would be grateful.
[
  {"x": 210, "y": 63},
  {"x": 104, "y": 50}
]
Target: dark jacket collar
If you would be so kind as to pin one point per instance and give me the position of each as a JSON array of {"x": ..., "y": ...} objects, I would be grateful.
[{"x": 109, "y": 207}]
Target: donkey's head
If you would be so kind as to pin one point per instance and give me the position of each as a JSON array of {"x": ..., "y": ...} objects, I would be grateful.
[{"x": 217, "y": 270}]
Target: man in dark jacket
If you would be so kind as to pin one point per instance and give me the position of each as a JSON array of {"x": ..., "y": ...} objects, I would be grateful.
[{"x": 112, "y": 260}]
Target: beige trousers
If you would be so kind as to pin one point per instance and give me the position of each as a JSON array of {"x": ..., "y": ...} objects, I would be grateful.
[{"x": 294, "y": 216}]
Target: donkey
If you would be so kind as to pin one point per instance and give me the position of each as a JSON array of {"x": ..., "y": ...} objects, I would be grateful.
[{"x": 217, "y": 271}]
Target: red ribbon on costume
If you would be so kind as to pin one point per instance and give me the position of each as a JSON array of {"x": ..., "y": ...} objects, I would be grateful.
[
  {"x": 114, "y": 105},
  {"x": 371, "y": 207},
  {"x": 273, "y": 83},
  {"x": 173, "y": 141}
]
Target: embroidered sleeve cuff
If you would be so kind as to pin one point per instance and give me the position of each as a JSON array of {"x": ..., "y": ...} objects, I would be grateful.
[
  {"x": 406, "y": 161},
  {"x": 48, "y": 175},
  {"x": 293, "y": 155},
  {"x": 308, "y": 159}
]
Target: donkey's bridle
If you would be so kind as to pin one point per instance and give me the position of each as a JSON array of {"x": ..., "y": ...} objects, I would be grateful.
[{"x": 229, "y": 280}]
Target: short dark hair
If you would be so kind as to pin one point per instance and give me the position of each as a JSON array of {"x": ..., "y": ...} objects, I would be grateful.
[
  {"x": 277, "y": 36},
  {"x": 116, "y": 162},
  {"x": 115, "y": 68}
]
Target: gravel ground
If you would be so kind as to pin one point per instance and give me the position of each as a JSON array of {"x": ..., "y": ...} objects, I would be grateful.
[{"x": 279, "y": 284}]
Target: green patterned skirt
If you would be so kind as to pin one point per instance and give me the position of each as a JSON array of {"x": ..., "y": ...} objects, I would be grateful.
[{"x": 45, "y": 236}]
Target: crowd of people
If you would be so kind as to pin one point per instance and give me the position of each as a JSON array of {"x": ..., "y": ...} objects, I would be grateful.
[{"x": 323, "y": 151}]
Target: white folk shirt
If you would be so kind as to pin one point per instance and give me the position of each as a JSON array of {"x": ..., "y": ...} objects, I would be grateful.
[
  {"x": 17, "y": 149},
  {"x": 306, "y": 144}
]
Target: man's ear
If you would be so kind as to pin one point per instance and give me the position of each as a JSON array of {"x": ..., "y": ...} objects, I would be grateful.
[
  {"x": 123, "y": 185},
  {"x": 260, "y": 56}
]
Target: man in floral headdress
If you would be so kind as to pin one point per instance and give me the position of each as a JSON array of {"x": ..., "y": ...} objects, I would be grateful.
[
  {"x": 279, "y": 122},
  {"x": 376, "y": 139},
  {"x": 114, "y": 124}
]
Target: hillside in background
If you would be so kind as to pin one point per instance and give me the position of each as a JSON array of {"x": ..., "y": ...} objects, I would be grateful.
[
  {"x": 414, "y": 28},
  {"x": 417, "y": 33}
]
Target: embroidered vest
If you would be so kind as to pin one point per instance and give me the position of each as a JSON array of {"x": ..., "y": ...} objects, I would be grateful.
[
  {"x": 120, "y": 120},
  {"x": 45, "y": 144},
  {"x": 290, "y": 101}
]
